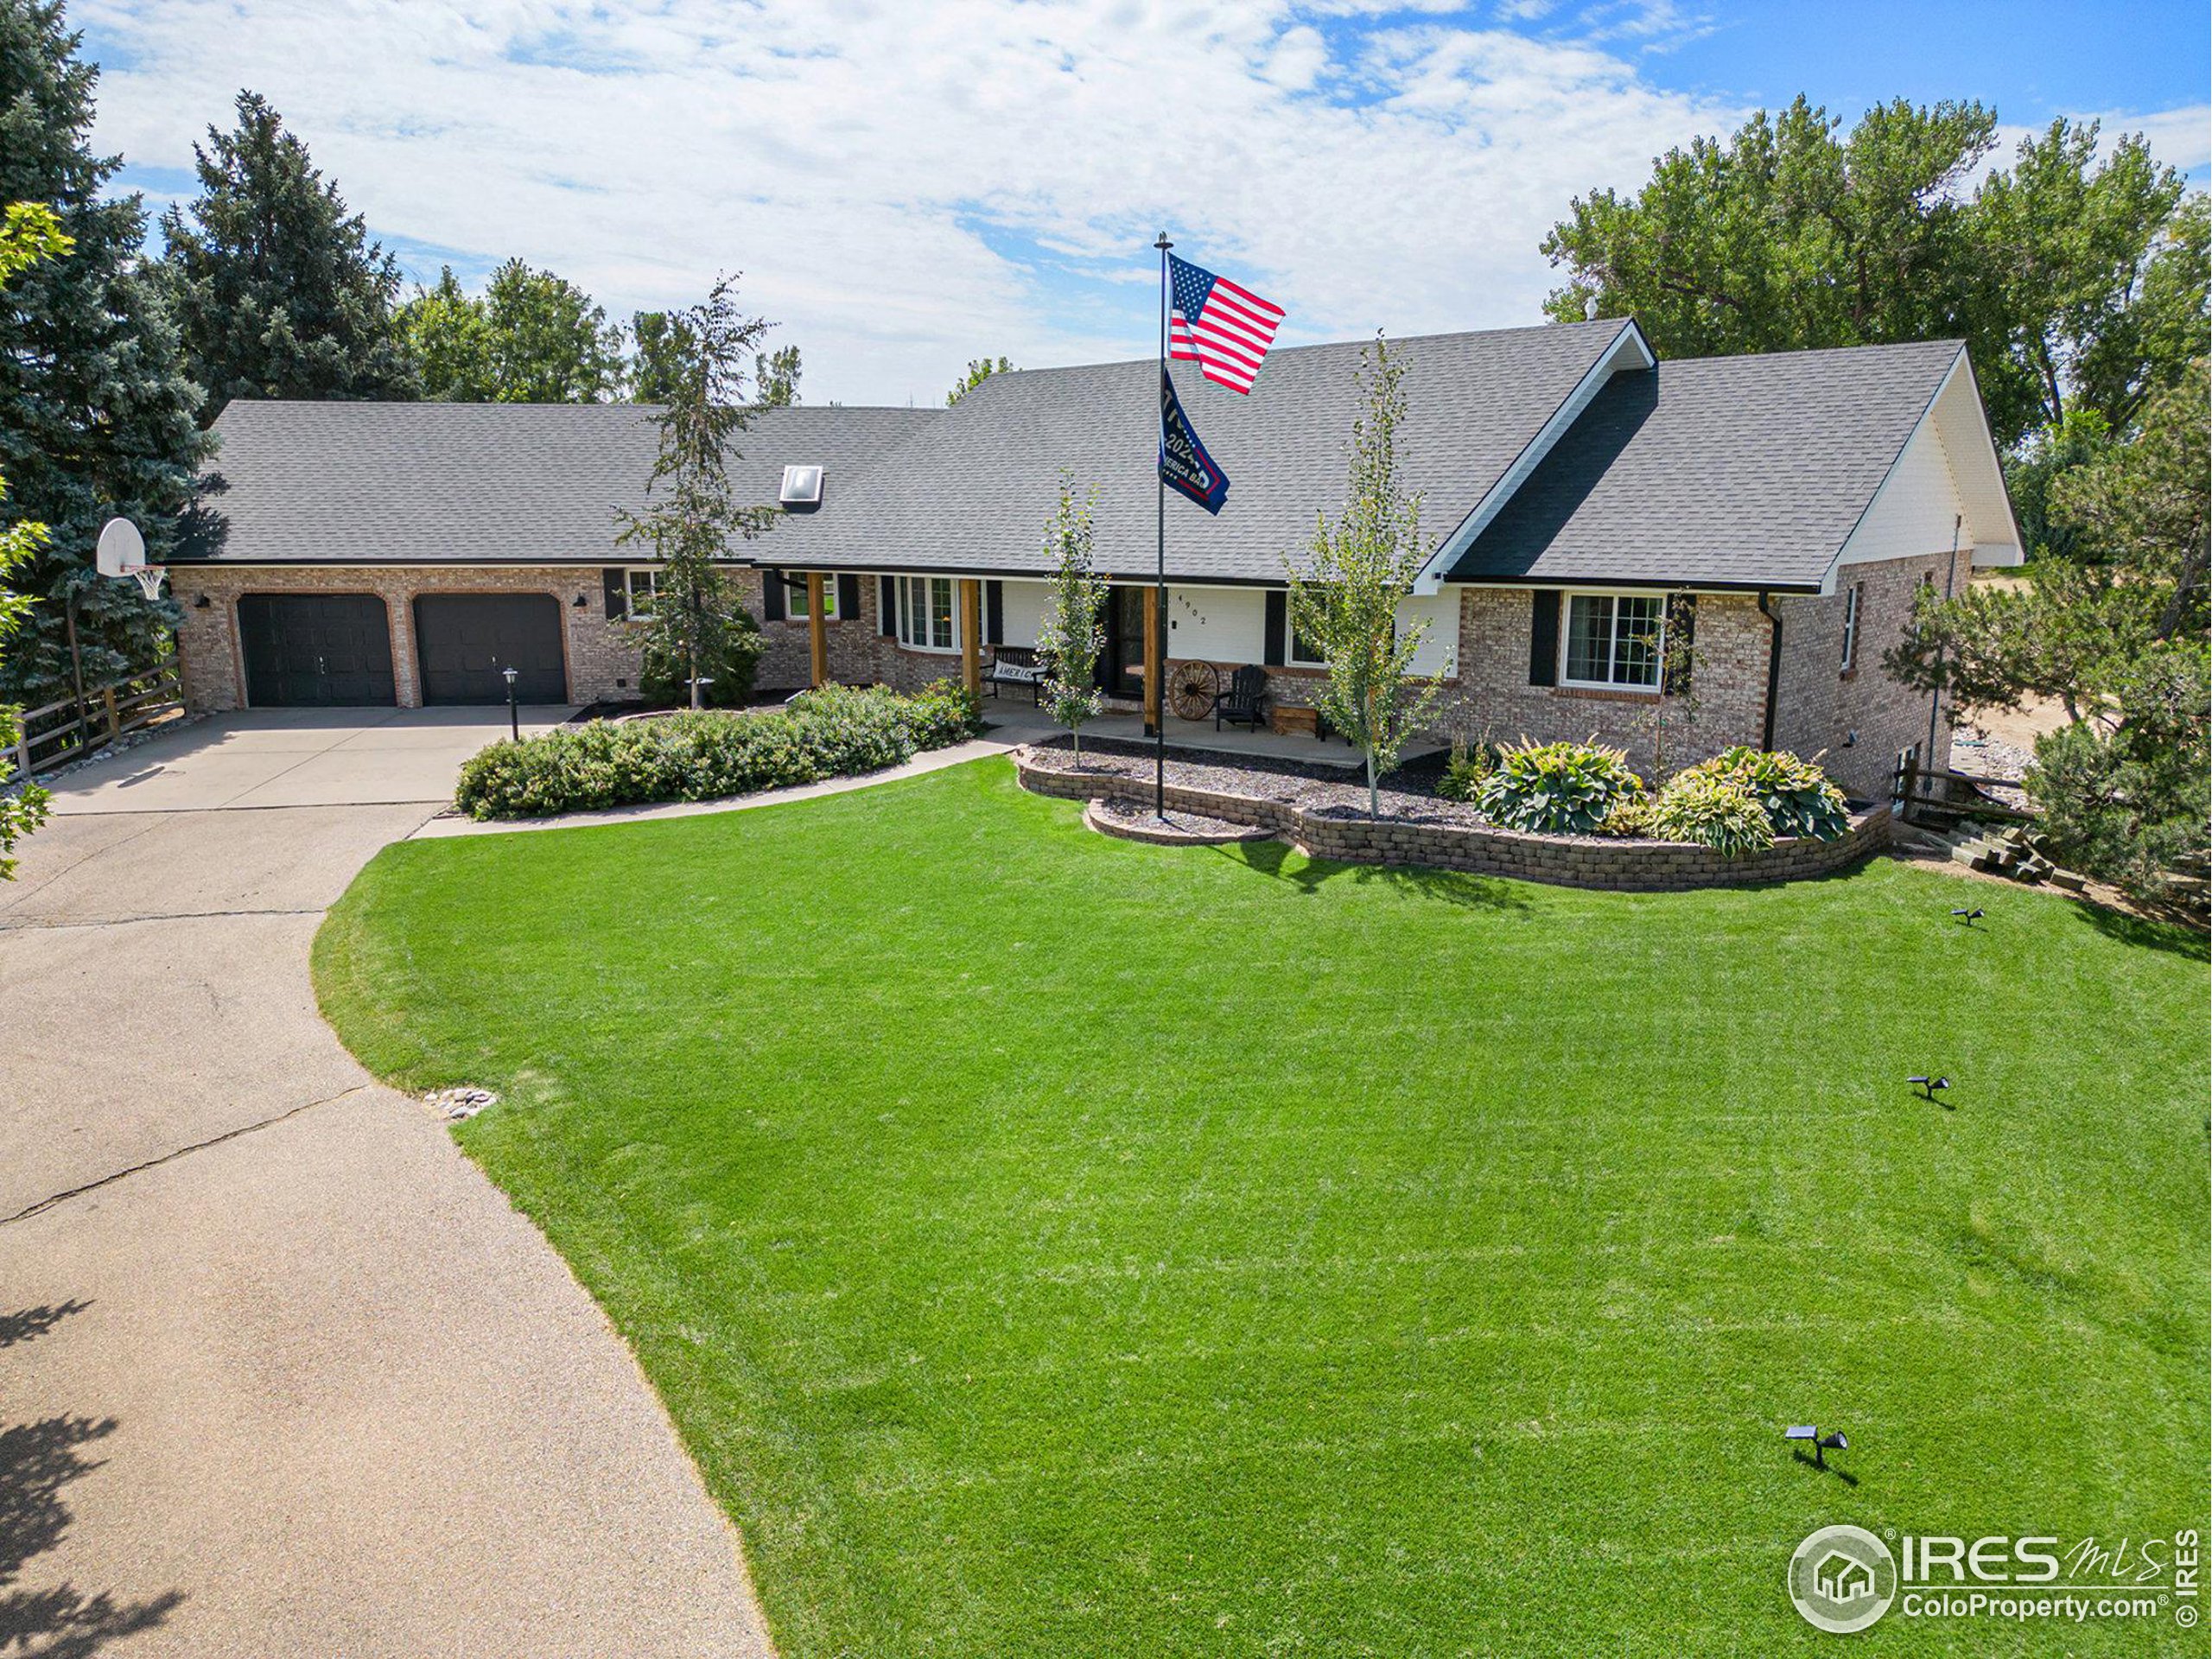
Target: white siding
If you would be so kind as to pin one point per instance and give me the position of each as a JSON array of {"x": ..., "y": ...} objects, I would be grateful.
[
  {"x": 1221, "y": 625},
  {"x": 1917, "y": 509},
  {"x": 1022, "y": 603},
  {"x": 1440, "y": 646}
]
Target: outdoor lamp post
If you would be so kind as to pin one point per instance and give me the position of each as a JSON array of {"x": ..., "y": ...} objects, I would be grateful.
[{"x": 514, "y": 716}]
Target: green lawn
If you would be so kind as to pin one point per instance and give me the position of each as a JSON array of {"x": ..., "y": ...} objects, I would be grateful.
[{"x": 1051, "y": 1246}]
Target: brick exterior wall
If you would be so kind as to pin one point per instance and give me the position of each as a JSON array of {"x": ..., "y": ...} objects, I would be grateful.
[
  {"x": 1820, "y": 708},
  {"x": 1861, "y": 718},
  {"x": 600, "y": 657},
  {"x": 1493, "y": 701},
  {"x": 1562, "y": 861}
]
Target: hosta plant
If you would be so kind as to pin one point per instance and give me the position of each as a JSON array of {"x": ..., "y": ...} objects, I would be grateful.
[
  {"x": 1556, "y": 789},
  {"x": 1711, "y": 810},
  {"x": 1794, "y": 793}
]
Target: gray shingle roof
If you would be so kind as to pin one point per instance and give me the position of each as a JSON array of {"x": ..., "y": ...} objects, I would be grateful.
[
  {"x": 1721, "y": 471},
  {"x": 476, "y": 483},
  {"x": 1731, "y": 471},
  {"x": 974, "y": 490},
  {"x": 968, "y": 488}
]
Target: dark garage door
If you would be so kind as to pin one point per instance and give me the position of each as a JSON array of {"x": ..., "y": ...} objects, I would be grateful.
[
  {"x": 305, "y": 650},
  {"x": 463, "y": 640}
]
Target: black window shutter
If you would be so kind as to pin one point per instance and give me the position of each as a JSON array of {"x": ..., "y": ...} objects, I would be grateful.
[
  {"x": 1681, "y": 635},
  {"x": 772, "y": 595},
  {"x": 887, "y": 604},
  {"x": 616, "y": 586},
  {"x": 1278, "y": 632},
  {"x": 849, "y": 599},
  {"x": 1543, "y": 638},
  {"x": 994, "y": 612}
]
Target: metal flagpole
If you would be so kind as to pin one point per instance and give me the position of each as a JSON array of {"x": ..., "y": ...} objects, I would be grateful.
[{"x": 1159, "y": 671}]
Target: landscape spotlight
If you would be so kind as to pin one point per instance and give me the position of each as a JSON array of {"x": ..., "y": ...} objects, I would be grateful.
[
  {"x": 1822, "y": 1443},
  {"x": 1968, "y": 917},
  {"x": 1930, "y": 1085}
]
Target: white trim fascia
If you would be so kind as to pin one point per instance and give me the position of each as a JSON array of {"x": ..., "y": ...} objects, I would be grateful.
[
  {"x": 1842, "y": 555},
  {"x": 1629, "y": 341}
]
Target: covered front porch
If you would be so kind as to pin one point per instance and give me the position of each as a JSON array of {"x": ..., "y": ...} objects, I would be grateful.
[{"x": 1014, "y": 717}]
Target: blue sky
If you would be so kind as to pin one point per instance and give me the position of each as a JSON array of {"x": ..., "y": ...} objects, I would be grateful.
[{"x": 905, "y": 187}]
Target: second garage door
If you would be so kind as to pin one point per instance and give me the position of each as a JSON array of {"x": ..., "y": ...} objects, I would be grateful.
[{"x": 462, "y": 641}]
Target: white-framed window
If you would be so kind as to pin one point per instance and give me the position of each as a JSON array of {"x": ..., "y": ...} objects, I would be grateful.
[
  {"x": 927, "y": 618},
  {"x": 641, "y": 587},
  {"x": 1613, "y": 641},
  {"x": 1303, "y": 653},
  {"x": 1852, "y": 596},
  {"x": 795, "y": 599}
]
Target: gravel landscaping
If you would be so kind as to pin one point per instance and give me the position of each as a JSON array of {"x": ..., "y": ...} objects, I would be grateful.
[{"x": 1334, "y": 792}]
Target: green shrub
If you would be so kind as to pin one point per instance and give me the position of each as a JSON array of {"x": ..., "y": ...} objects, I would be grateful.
[
  {"x": 1710, "y": 810},
  {"x": 1465, "y": 771},
  {"x": 1556, "y": 789},
  {"x": 1630, "y": 818},
  {"x": 834, "y": 732},
  {"x": 1796, "y": 794},
  {"x": 731, "y": 651},
  {"x": 945, "y": 712}
]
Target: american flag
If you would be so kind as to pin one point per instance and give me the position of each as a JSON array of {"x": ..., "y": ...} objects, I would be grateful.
[{"x": 1223, "y": 328}]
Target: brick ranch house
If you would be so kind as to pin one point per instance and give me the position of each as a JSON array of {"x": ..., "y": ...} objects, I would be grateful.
[{"x": 1586, "y": 495}]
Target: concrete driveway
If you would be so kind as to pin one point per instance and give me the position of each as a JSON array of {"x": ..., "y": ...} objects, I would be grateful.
[{"x": 280, "y": 1371}]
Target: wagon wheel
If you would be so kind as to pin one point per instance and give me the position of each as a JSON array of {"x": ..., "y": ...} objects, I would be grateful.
[{"x": 1192, "y": 689}]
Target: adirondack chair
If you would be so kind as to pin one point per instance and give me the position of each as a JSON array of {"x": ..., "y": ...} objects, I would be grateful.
[{"x": 1245, "y": 701}]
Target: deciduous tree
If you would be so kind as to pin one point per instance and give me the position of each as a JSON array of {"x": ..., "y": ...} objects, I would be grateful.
[
  {"x": 2076, "y": 279},
  {"x": 530, "y": 338},
  {"x": 980, "y": 369},
  {"x": 1071, "y": 634},
  {"x": 1344, "y": 603}
]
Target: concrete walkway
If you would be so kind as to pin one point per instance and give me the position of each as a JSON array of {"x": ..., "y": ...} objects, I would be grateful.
[{"x": 280, "y": 1371}]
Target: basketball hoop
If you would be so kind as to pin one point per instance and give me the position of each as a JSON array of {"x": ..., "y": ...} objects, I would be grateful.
[{"x": 122, "y": 552}]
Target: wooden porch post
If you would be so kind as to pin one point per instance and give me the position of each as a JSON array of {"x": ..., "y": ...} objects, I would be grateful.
[
  {"x": 971, "y": 627},
  {"x": 1155, "y": 666},
  {"x": 818, "y": 631}
]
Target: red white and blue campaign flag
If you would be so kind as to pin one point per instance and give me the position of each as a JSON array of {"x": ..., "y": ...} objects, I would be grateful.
[
  {"x": 1184, "y": 465},
  {"x": 1225, "y": 329}
]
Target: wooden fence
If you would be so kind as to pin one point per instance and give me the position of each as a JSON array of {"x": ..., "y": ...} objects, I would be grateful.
[
  {"x": 54, "y": 734},
  {"x": 1914, "y": 799}
]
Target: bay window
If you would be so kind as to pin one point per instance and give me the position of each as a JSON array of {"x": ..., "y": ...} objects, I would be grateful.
[{"x": 925, "y": 613}]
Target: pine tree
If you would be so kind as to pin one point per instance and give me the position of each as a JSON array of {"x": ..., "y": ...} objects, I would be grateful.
[
  {"x": 97, "y": 414},
  {"x": 276, "y": 290}
]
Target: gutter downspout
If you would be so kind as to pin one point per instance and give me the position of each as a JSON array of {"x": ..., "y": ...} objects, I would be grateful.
[
  {"x": 1773, "y": 669},
  {"x": 1935, "y": 697}
]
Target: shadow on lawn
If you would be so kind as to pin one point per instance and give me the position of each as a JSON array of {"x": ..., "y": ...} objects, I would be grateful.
[
  {"x": 1272, "y": 858},
  {"x": 1844, "y": 1475},
  {"x": 2178, "y": 937}
]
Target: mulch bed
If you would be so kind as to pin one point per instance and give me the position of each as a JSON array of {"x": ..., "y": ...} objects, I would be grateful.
[{"x": 1334, "y": 792}]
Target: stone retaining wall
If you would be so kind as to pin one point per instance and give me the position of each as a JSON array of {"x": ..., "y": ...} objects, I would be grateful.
[{"x": 1563, "y": 861}]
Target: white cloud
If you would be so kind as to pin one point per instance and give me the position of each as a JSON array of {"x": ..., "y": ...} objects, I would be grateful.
[{"x": 908, "y": 186}]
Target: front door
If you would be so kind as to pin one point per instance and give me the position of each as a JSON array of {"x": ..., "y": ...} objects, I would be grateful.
[{"x": 1120, "y": 670}]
